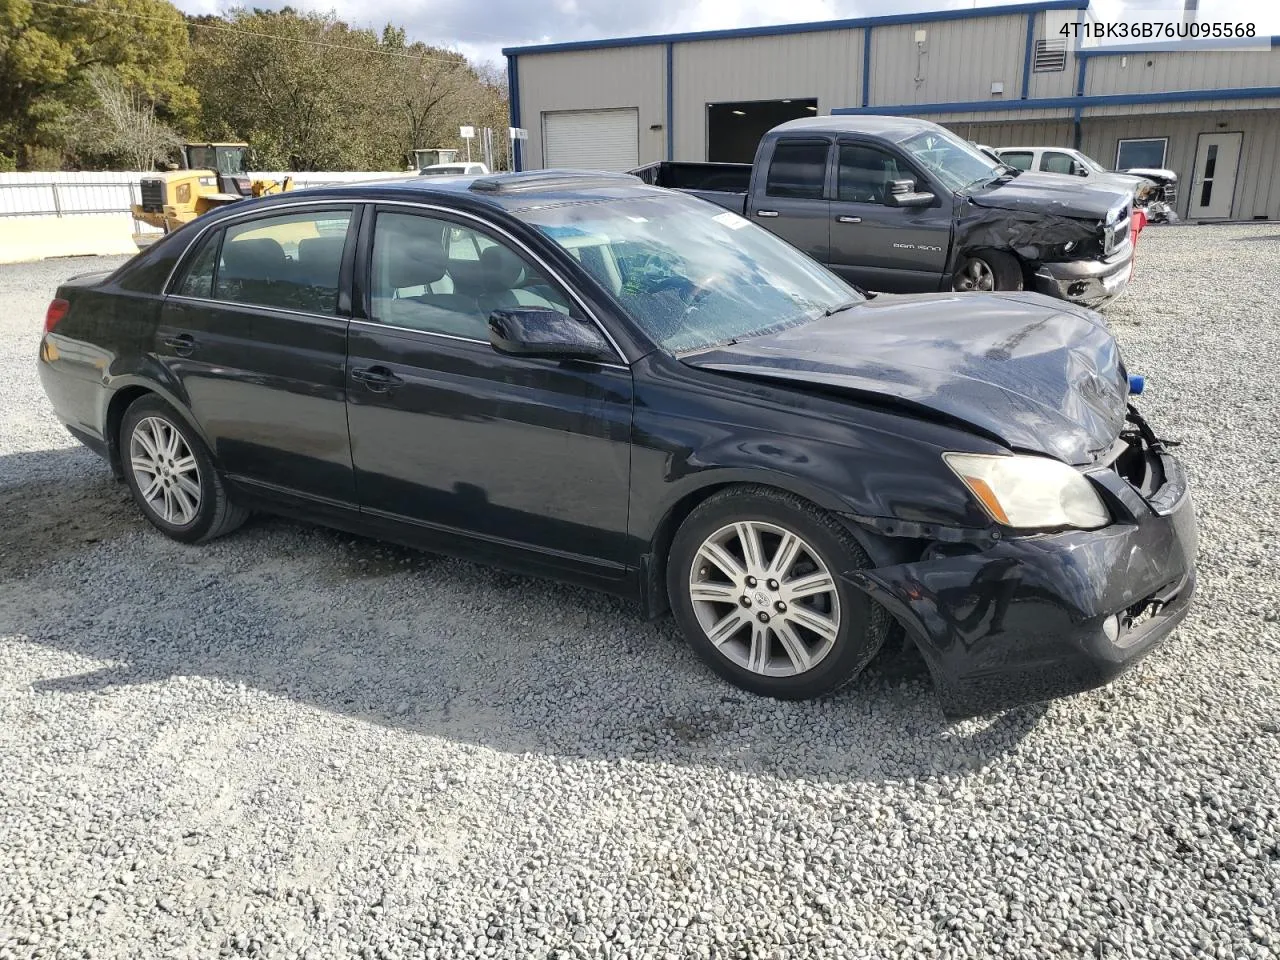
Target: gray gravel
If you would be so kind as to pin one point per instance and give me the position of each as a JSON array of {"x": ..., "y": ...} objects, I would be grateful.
[{"x": 292, "y": 743}]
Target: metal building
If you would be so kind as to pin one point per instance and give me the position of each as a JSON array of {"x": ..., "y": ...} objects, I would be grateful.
[{"x": 1004, "y": 76}]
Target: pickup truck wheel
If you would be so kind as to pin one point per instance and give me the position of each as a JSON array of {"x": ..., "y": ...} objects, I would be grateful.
[
  {"x": 987, "y": 270},
  {"x": 756, "y": 586}
]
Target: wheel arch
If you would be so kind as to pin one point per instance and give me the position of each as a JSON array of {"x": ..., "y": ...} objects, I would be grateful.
[
  {"x": 653, "y": 564},
  {"x": 125, "y": 391}
]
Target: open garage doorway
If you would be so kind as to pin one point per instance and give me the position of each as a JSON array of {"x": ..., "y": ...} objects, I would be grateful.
[{"x": 734, "y": 129}]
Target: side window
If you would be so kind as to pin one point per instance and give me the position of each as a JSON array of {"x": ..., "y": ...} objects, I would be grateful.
[
  {"x": 437, "y": 276},
  {"x": 198, "y": 280},
  {"x": 865, "y": 173},
  {"x": 1018, "y": 159},
  {"x": 291, "y": 261},
  {"x": 797, "y": 169},
  {"x": 1055, "y": 162}
]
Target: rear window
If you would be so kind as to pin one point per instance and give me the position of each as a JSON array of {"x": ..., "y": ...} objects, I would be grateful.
[
  {"x": 1018, "y": 159},
  {"x": 798, "y": 169}
]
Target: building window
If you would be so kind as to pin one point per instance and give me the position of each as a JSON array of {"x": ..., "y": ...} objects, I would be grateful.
[
  {"x": 1051, "y": 56},
  {"x": 1141, "y": 153}
]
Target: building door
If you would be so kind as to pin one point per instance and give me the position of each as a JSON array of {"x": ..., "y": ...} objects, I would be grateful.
[
  {"x": 1213, "y": 183},
  {"x": 591, "y": 139}
]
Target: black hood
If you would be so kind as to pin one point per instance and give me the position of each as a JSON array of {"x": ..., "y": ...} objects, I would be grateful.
[
  {"x": 1050, "y": 193},
  {"x": 1037, "y": 374}
]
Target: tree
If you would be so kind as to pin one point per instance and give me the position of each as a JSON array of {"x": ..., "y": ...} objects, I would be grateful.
[
  {"x": 309, "y": 92},
  {"x": 47, "y": 53},
  {"x": 122, "y": 125}
]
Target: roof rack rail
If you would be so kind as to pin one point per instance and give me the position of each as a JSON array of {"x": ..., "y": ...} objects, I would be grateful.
[{"x": 546, "y": 179}]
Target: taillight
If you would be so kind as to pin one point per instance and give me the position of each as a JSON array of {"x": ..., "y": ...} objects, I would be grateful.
[{"x": 57, "y": 310}]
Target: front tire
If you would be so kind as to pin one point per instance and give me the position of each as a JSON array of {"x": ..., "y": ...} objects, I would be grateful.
[
  {"x": 983, "y": 271},
  {"x": 172, "y": 476},
  {"x": 754, "y": 579}
]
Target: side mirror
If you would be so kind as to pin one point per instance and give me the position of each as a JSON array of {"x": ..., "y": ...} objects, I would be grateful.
[
  {"x": 533, "y": 332},
  {"x": 1079, "y": 169},
  {"x": 902, "y": 193}
]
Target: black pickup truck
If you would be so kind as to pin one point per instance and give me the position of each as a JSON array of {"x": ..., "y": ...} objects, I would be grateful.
[{"x": 904, "y": 206}]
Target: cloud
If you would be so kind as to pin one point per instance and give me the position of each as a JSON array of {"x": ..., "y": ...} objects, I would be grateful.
[{"x": 481, "y": 29}]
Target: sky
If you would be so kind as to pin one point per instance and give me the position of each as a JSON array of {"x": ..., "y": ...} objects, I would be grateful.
[{"x": 481, "y": 28}]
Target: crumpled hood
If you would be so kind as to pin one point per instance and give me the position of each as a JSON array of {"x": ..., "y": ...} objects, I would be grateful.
[
  {"x": 1040, "y": 375},
  {"x": 1051, "y": 193}
]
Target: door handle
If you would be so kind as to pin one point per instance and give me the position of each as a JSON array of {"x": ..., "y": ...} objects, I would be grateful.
[
  {"x": 848, "y": 219},
  {"x": 378, "y": 379},
  {"x": 766, "y": 213},
  {"x": 182, "y": 344}
]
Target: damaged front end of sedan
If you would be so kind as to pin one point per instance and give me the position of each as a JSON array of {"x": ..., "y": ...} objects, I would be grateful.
[
  {"x": 1002, "y": 619},
  {"x": 1079, "y": 554}
]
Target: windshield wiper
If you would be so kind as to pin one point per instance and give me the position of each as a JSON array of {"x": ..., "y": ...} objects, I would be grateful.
[{"x": 841, "y": 307}]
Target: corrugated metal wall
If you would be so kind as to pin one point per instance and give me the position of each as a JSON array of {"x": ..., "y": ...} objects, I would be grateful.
[
  {"x": 962, "y": 59},
  {"x": 592, "y": 80},
  {"x": 825, "y": 65},
  {"x": 1057, "y": 83},
  {"x": 1130, "y": 73},
  {"x": 1023, "y": 134},
  {"x": 1257, "y": 191}
]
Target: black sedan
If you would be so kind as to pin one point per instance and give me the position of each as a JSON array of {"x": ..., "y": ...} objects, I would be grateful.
[{"x": 581, "y": 376}]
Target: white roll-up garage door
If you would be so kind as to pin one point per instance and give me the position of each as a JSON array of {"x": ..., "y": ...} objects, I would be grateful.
[{"x": 591, "y": 139}]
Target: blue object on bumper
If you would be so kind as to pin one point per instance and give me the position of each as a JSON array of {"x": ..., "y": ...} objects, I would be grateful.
[
  {"x": 1022, "y": 620},
  {"x": 1136, "y": 383}
]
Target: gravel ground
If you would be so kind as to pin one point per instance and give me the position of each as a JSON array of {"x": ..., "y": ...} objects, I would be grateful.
[{"x": 291, "y": 743}]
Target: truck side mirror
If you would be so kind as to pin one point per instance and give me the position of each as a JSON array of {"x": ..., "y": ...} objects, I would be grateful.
[
  {"x": 902, "y": 193},
  {"x": 1079, "y": 169}
]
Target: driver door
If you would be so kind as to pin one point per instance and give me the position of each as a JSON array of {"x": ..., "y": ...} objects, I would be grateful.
[
  {"x": 454, "y": 441},
  {"x": 879, "y": 247}
]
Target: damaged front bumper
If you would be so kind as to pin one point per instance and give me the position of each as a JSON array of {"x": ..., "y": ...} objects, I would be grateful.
[
  {"x": 1090, "y": 283},
  {"x": 1036, "y": 617}
]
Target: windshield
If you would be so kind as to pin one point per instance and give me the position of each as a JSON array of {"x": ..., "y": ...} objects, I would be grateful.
[
  {"x": 442, "y": 171},
  {"x": 688, "y": 273},
  {"x": 1091, "y": 163},
  {"x": 228, "y": 161},
  {"x": 956, "y": 162}
]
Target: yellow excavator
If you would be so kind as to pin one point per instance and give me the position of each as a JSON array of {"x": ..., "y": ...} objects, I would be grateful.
[{"x": 211, "y": 175}]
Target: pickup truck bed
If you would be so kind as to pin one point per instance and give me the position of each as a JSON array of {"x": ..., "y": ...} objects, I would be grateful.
[{"x": 725, "y": 184}]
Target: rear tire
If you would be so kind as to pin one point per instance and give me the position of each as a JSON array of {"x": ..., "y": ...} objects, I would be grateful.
[
  {"x": 172, "y": 476},
  {"x": 754, "y": 579},
  {"x": 986, "y": 271}
]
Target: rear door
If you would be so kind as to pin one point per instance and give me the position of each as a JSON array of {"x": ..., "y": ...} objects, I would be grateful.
[
  {"x": 792, "y": 201},
  {"x": 253, "y": 338},
  {"x": 884, "y": 248}
]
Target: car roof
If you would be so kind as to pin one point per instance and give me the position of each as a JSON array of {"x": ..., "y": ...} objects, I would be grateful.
[
  {"x": 508, "y": 191},
  {"x": 891, "y": 128}
]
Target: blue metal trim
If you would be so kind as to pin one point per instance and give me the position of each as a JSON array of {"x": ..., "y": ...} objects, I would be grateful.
[
  {"x": 1026, "y": 60},
  {"x": 1225, "y": 44},
  {"x": 513, "y": 104},
  {"x": 815, "y": 26},
  {"x": 866, "y": 65},
  {"x": 1057, "y": 103},
  {"x": 1080, "y": 77},
  {"x": 671, "y": 112}
]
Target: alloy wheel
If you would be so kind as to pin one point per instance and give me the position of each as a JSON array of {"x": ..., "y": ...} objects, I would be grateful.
[
  {"x": 165, "y": 470},
  {"x": 765, "y": 598},
  {"x": 976, "y": 274}
]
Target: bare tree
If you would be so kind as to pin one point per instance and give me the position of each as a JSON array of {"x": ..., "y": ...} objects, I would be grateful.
[{"x": 122, "y": 124}]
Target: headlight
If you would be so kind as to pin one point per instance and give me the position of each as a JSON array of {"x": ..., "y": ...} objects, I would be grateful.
[{"x": 1030, "y": 492}]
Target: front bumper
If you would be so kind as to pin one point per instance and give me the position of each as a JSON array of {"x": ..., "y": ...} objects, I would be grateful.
[
  {"x": 1090, "y": 283},
  {"x": 1027, "y": 618}
]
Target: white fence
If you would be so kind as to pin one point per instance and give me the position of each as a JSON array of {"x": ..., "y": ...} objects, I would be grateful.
[{"x": 112, "y": 193}]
